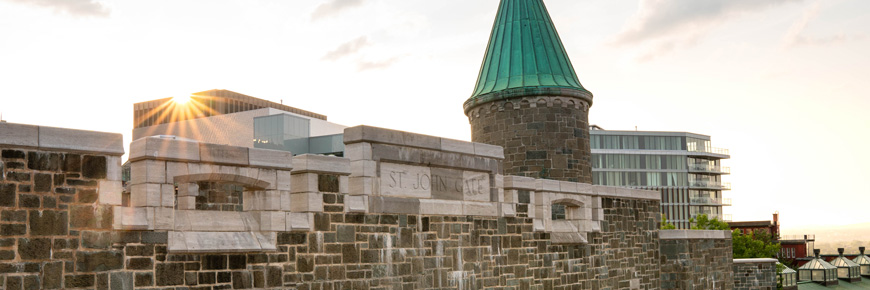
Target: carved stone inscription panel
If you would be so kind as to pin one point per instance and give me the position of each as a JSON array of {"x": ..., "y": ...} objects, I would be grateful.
[{"x": 437, "y": 183}]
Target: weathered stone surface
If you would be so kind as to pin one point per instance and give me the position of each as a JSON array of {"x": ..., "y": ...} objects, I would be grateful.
[
  {"x": 7, "y": 195},
  {"x": 42, "y": 182},
  {"x": 52, "y": 275},
  {"x": 48, "y": 223},
  {"x": 223, "y": 154},
  {"x": 13, "y": 230},
  {"x": 34, "y": 249},
  {"x": 99, "y": 261},
  {"x": 94, "y": 167},
  {"x": 19, "y": 135},
  {"x": 169, "y": 274},
  {"x": 80, "y": 140},
  {"x": 121, "y": 280}
]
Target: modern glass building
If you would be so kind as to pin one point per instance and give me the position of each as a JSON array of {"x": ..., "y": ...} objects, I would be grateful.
[
  {"x": 292, "y": 133},
  {"x": 685, "y": 167}
]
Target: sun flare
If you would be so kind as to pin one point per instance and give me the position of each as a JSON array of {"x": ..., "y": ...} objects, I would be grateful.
[{"x": 181, "y": 100}]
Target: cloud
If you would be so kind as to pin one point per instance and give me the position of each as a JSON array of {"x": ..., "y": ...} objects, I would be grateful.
[
  {"x": 795, "y": 35},
  {"x": 81, "y": 8},
  {"x": 347, "y": 48},
  {"x": 660, "y": 27},
  {"x": 371, "y": 65},
  {"x": 332, "y": 7}
]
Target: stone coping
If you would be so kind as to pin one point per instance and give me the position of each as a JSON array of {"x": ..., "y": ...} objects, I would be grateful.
[
  {"x": 546, "y": 185},
  {"x": 694, "y": 235},
  {"x": 176, "y": 149},
  {"x": 755, "y": 260},
  {"x": 52, "y": 138},
  {"x": 221, "y": 242},
  {"x": 313, "y": 163},
  {"x": 394, "y": 137}
]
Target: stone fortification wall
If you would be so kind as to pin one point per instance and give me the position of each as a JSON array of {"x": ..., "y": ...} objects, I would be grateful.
[
  {"x": 754, "y": 274},
  {"x": 57, "y": 189},
  {"x": 543, "y": 137},
  {"x": 696, "y": 259},
  {"x": 402, "y": 211}
]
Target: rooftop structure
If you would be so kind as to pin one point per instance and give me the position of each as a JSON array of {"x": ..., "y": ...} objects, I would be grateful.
[
  {"x": 528, "y": 98},
  {"x": 204, "y": 104}
]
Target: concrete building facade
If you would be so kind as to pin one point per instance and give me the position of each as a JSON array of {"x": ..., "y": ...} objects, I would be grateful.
[{"x": 684, "y": 167}]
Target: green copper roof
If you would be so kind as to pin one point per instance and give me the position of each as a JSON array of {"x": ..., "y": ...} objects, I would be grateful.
[{"x": 525, "y": 56}]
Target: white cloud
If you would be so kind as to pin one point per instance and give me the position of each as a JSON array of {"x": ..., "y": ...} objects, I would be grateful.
[
  {"x": 347, "y": 48},
  {"x": 333, "y": 7},
  {"x": 663, "y": 26},
  {"x": 82, "y": 8},
  {"x": 796, "y": 33}
]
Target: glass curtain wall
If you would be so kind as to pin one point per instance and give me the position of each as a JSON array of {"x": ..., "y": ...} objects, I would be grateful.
[{"x": 638, "y": 142}]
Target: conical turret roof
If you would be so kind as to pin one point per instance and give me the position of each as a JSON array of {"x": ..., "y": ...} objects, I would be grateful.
[{"x": 525, "y": 56}]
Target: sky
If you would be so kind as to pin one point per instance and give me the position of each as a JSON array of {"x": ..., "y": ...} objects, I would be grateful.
[{"x": 780, "y": 83}]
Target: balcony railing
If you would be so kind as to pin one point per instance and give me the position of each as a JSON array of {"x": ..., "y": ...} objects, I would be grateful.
[
  {"x": 713, "y": 150},
  {"x": 797, "y": 237},
  {"x": 726, "y": 201},
  {"x": 710, "y": 184},
  {"x": 705, "y": 200},
  {"x": 709, "y": 168}
]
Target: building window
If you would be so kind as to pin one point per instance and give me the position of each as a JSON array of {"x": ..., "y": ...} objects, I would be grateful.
[{"x": 558, "y": 211}]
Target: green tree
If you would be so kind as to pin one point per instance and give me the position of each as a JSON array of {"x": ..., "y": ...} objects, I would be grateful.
[
  {"x": 665, "y": 225},
  {"x": 705, "y": 223},
  {"x": 757, "y": 244}
]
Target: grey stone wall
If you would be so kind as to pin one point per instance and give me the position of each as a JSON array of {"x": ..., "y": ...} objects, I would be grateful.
[
  {"x": 694, "y": 259},
  {"x": 543, "y": 137},
  {"x": 754, "y": 274}
]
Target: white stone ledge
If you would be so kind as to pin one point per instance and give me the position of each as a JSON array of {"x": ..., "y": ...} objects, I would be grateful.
[
  {"x": 622, "y": 192},
  {"x": 220, "y": 242},
  {"x": 172, "y": 148},
  {"x": 755, "y": 261},
  {"x": 321, "y": 164},
  {"x": 371, "y": 134},
  {"x": 694, "y": 235},
  {"x": 43, "y": 137}
]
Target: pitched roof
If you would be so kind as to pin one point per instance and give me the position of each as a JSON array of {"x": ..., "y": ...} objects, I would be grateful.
[{"x": 525, "y": 56}]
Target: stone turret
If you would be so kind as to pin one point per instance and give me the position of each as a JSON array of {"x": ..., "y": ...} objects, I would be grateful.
[{"x": 528, "y": 98}]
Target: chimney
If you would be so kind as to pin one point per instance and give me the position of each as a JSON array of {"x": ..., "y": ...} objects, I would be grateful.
[
  {"x": 840, "y": 250},
  {"x": 861, "y": 249},
  {"x": 817, "y": 252},
  {"x": 776, "y": 218}
]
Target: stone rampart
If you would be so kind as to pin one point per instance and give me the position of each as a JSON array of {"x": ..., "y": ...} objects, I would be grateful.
[
  {"x": 754, "y": 274},
  {"x": 401, "y": 211},
  {"x": 696, "y": 259}
]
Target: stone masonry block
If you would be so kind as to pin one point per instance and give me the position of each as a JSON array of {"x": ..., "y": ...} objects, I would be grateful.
[
  {"x": 373, "y": 135},
  {"x": 366, "y": 168},
  {"x": 303, "y": 182},
  {"x": 508, "y": 210},
  {"x": 440, "y": 207},
  {"x": 421, "y": 141},
  {"x": 145, "y": 195},
  {"x": 358, "y": 151},
  {"x": 519, "y": 182},
  {"x": 283, "y": 180},
  {"x": 113, "y": 168},
  {"x": 147, "y": 171},
  {"x": 271, "y": 221},
  {"x": 164, "y": 148},
  {"x": 297, "y": 221},
  {"x": 174, "y": 169},
  {"x": 80, "y": 140},
  {"x": 162, "y": 219},
  {"x": 480, "y": 208},
  {"x": 19, "y": 135},
  {"x": 270, "y": 158},
  {"x": 321, "y": 164},
  {"x": 394, "y": 205},
  {"x": 131, "y": 218},
  {"x": 487, "y": 150},
  {"x": 187, "y": 202},
  {"x": 110, "y": 192},
  {"x": 361, "y": 185},
  {"x": 223, "y": 154},
  {"x": 343, "y": 184},
  {"x": 167, "y": 195},
  {"x": 547, "y": 185},
  {"x": 306, "y": 202},
  {"x": 356, "y": 203},
  {"x": 188, "y": 189},
  {"x": 457, "y": 146},
  {"x": 270, "y": 176}
]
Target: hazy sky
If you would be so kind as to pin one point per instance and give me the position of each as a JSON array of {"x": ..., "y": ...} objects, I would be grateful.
[{"x": 781, "y": 83}]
